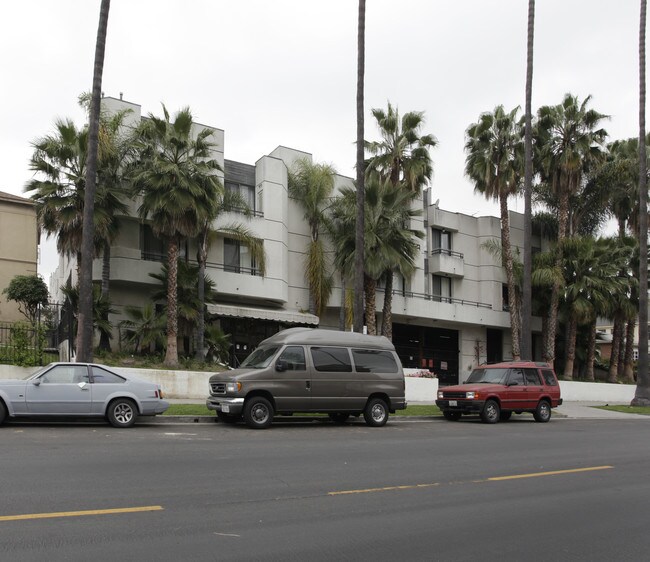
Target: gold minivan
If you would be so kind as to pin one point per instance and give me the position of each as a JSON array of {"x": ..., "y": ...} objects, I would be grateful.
[{"x": 342, "y": 374}]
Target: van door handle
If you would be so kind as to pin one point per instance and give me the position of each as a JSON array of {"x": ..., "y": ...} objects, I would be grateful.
[{"x": 308, "y": 385}]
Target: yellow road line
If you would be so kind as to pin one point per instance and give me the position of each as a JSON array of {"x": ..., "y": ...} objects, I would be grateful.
[
  {"x": 492, "y": 479},
  {"x": 550, "y": 473},
  {"x": 80, "y": 513}
]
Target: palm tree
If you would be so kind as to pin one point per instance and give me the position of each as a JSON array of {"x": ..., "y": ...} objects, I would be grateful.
[
  {"x": 85, "y": 330},
  {"x": 143, "y": 328},
  {"x": 402, "y": 160},
  {"x": 642, "y": 394},
  {"x": 311, "y": 185},
  {"x": 176, "y": 178},
  {"x": 526, "y": 306},
  {"x": 494, "y": 162},
  {"x": 569, "y": 143},
  {"x": 359, "y": 227}
]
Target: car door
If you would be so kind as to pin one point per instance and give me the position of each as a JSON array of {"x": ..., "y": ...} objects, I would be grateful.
[
  {"x": 534, "y": 388},
  {"x": 291, "y": 382},
  {"x": 334, "y": 385},
  {"x": 61, "y": 390},
  {"x": 104, "y": 385},
  {"x": 515, "y": 393}
]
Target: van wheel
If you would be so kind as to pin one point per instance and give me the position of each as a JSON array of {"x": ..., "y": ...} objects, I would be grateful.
[
  {"x": 339, "y": 417},
  {"x": 226, "y": 418},
  {"x": 505, "y": 416},
  {"x": 491, "y": 412},
  {"x": 376, "y": 412},
  {"x": 451, "y": 416},
  {"x": 542, "y": 413},
  {"x": 258, "y": 412}
]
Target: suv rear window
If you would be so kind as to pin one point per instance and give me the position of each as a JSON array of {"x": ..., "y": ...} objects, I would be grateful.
[
  {"x": 532, "y": 378},
  {"x": 549, "y": 377}
]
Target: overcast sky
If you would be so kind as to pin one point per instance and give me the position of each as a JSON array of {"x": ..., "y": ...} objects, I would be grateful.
[{"x": 283, "y": 72}]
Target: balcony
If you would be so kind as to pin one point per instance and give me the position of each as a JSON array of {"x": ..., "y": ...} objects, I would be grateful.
[{"x": 446, "y": 262}]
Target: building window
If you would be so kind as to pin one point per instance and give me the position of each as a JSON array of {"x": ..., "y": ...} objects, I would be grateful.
[
  {"x": 505, "y": 300},
  {"x": 153, "y": 248},
  {"x": 244, "y": 196},
  {"x": 237, "y": 257},
  {"x": 440, "y": 241},
  {"x": 441, "y": 288}
]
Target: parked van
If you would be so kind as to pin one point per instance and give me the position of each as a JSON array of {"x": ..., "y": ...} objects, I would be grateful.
[{"x": 312, "y": 370}]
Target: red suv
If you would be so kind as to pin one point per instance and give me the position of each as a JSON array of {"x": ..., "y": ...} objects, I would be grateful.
[{"x": 496, "y": 391}]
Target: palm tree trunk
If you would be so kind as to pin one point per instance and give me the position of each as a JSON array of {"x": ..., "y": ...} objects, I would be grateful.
[
  {"x": 342, "y": 326},
  {"x": 104, "y": 340},
  {"x": 628, "y": 354},
  {"x": 171, "y": 356},
  {"x": 510, "y": 276},
  {"x": 387, "y": 311},
  {"x": 85, "y": 325},
  {"x": 572, "y": 330},
  {"x": 361, "y": 192},
  {"x": 642, "y": 394},
  {"x": 617, "y": 335},
  {"x": 371, "y": 304},
  {"x": 199, "y": 353},
  {"x": 591, "y": 352}
]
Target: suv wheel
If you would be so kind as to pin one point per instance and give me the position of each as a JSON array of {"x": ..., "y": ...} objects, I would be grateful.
[
  {"x": 376, "y": 412},
  {"x": 451, "y": 416},
  {"x": 258, "y": 412},
  {"x": 491, "y": 412},
  {"x": 542, "y": 413}
]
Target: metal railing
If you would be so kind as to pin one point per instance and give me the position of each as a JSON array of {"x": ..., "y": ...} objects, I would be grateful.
[
  {"x": 437, "y": 298},
  {"x": 446, "y": 252}
]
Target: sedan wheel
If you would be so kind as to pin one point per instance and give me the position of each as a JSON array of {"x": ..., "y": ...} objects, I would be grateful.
[
  {"x": 3, "y": 412},
  {"x": 122, "y": 412}
]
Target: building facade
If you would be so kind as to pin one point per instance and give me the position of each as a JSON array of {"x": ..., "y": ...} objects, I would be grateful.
[{"x": 448, "y": 317}]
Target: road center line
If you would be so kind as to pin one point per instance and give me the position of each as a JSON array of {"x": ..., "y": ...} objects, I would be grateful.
[
  {"x": 80, "y": 513},
  {"x": 492, "y": 479}
]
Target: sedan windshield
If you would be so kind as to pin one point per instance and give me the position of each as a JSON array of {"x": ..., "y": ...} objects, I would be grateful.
[
  {"x": 261, "y": 357},
  {"x": 488, "y": 376}
]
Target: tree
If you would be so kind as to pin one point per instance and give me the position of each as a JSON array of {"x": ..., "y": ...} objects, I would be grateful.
[
  {"x": 359, "y": 227},
  {"x": 569, "y": 143},
  {"x": 642, "y": 394},
  {"x": 526, "y": 306},
  {"x": 494, "y": 163},
  {"x": 85, "y": 329},
  {"x": 174, "y": 173},
  {"x": 144, "y": 327},
  {"x": 30, "y": 292},
  {"x": 311, "y": 185}
]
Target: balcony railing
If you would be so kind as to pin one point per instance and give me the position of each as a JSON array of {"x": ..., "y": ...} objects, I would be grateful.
[
  {"x": 437, "y": 298},
  {"x": 446, "y": 252}
]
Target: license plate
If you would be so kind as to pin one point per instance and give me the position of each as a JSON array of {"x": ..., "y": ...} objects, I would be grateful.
[
  {"x": 453, "y": 403},
  {"x": 225, "y": 409}
]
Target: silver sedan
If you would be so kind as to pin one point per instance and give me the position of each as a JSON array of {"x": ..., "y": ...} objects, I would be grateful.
[{"x": 81, "y": 389}]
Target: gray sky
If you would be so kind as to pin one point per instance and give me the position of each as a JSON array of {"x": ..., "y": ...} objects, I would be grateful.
[{"x": 283, "y": 72}]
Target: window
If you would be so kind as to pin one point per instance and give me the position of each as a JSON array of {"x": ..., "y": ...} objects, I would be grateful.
[
  {"x": 549, "y": 377},
  {"x": 237, "y": 257},
  {"x": 294, "y": 357},
  {"x": 440, "y": 240},
  {"x": 66, "y": 374},
  {"x": 441, "y": 288},
  {"x": 516, "y": 377},
  {"x": 532, "y": 378},
  {"x": 333, "y": 359},
  {"x": 153, "y": 248},
  {"x": 103, "y": 376},
  {"x": 373, "y": 361},
  {"x": 505, "y": 302},
  {"x": 243, "y": 197}
]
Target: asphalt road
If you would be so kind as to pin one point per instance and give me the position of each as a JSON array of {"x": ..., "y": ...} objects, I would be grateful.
[{"x": 420, "y": 490}]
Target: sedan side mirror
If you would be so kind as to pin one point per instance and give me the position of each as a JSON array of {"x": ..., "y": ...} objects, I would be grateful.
[{"x": 36, "y": 382}]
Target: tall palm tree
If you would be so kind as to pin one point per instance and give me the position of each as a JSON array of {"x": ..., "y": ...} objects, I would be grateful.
[
  {"x": 175, "y": 175},
  {"x": 85, "y": 330},
  {"x": 402, "y": 160},
  {"x": 569, "y": 142},
  {"x": 311, "y": 185},
  {"x": 526, "y": 305},
  {"x": 495, "y": 164},
  {"x": 359, "y": 228}
]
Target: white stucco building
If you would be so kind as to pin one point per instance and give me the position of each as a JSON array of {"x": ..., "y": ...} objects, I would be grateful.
[{"x": 448, "y": 317}]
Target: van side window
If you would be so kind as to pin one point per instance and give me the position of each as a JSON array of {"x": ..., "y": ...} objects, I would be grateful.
[
  {"x": 549, "y": 377},
  {"x": 333, "y": 359},
  {"x": 373, "y": 361},
  {"x": 294, "y": 357}
]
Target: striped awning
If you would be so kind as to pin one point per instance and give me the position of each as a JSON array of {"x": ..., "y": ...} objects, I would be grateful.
[{"x": 277, "y": 315}]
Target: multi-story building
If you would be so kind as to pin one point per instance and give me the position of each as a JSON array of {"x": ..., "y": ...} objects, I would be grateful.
[
  {"x": 18, "y": 247},
  {"x": 449, "y": 316}
]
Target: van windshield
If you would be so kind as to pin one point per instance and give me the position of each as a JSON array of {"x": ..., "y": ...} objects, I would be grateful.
[
  {"x": 491, "y": 376},
  {"x": 261, "y": 357}
]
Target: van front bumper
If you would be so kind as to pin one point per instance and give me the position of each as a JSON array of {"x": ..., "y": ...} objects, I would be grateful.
[{"x": 225, "y": 405}]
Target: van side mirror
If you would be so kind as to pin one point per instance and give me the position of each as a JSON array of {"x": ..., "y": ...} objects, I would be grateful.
[{"x": 280, "y": 365}]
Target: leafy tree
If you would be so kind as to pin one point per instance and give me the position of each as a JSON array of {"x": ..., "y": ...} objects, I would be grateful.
[
  {"x": 30, "y": 292},
  {"x": 175, "y": 175},
  {"x": 495, "y": 164},
  {"x": 311, "y": 185}
]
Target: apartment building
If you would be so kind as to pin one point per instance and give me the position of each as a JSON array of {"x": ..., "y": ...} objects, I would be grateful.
[
  {"x": 18, "y": 247},
  {"x": 451, "y": 315}
]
